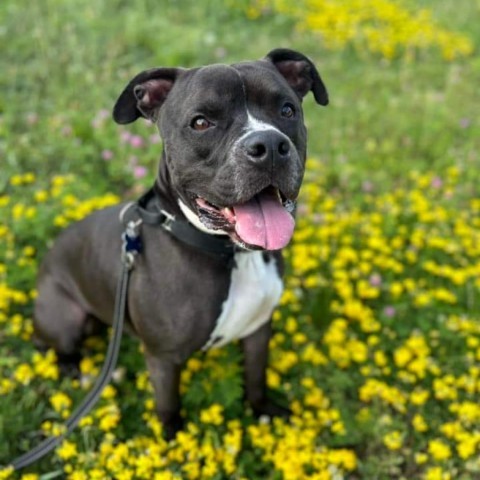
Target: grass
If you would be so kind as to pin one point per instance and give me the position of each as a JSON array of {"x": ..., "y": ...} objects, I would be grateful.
[{"x": 376, "y": 344}]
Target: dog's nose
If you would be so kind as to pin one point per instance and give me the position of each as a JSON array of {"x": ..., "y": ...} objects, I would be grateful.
[{"x": 267, "y": 147}]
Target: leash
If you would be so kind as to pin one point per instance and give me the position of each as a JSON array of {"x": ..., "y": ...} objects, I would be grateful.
[
  {"x": 150, "y": 211},
  {"x": 131, "y": 245}
]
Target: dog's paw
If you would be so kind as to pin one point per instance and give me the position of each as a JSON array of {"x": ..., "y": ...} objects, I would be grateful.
[
  {"x": 172, "y": 425},
  {"x": 271, "y": 409},
  {"x": 69, "y": 365}
]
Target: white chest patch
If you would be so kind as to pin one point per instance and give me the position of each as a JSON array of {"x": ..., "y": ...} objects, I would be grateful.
[{"x": 255, "y": 290}]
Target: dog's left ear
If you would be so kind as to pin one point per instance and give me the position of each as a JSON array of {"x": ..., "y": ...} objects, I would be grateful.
[
  {"x": 300, "y": 73},
  {"x": 145, "y": 94}
]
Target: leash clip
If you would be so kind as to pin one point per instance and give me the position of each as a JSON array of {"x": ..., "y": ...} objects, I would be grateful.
[
  {"x": 131, "y": 243},
  {"x": 128, "y": 259}
]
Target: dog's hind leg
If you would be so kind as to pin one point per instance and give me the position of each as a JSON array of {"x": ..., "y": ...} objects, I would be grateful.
[{"x": 59, "y": 322}]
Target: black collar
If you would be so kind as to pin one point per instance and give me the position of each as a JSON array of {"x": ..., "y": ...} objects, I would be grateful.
[{"x": 150, "y": 209}]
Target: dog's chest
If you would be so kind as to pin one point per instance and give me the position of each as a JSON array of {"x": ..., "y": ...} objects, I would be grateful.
[{"x": 255, "y": 290}]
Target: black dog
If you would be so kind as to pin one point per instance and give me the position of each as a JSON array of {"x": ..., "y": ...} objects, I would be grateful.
[{"x": 234, "y": 148}]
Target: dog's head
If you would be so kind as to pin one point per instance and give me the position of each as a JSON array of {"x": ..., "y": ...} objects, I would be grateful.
[{"x": 234, "y": 140}]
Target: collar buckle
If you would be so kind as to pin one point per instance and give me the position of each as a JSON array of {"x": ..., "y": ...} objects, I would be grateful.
[{"x": 167, "y": 220}]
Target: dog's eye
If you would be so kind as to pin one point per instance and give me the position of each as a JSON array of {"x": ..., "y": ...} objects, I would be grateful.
[
  {"x": 200, "y": 123},
  {"x": 288, "y": 110}
]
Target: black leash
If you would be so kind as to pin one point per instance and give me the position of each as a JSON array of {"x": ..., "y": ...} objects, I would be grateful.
[{"x": 131, "y": 246}]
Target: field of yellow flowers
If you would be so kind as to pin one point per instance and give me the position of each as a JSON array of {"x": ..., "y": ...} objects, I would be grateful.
[{"x": 376, "y": 345}]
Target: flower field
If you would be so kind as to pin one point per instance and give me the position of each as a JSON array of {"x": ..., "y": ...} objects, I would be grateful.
[
  {"x": 376, "y": 345},
  {"x": 377, "y": 348},
  {"x": 382, "y": 27}
]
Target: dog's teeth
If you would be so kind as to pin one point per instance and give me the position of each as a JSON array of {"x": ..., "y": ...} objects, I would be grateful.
[
  {"x": 201, "y": 202},
  {"x": 229, "y": 214}
]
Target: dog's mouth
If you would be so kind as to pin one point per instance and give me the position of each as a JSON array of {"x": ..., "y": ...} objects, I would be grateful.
[{"x": 263, "y": 222}]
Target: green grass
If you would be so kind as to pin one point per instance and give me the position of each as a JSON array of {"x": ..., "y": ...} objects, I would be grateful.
[{"x": 65, "y": 61}]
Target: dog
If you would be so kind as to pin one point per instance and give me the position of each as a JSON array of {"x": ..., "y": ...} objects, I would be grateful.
[{"x": 233, "y": 160}]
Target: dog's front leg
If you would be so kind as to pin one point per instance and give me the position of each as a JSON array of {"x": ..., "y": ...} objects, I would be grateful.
[
  {"x": 255, "y": 351},
  {"x": 165, "y": 378}
]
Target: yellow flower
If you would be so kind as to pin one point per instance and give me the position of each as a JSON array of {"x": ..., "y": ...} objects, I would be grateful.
[
  {"x": 67, "y": 450},
  {"x": 191, "y": 470},
  {"x": 436, "y": 473},
  {"x": 60, "y": 221},
  {"x": 28, "y": 177},
  {"x": 78, "y": 475},
  {"x": 88, "y": 367},
  {"x": 316, "y": 398},
  {"x": 439, "y": 450},
  {"x": 421, "y": 458},
  {"x": 29, "y": 251},
  {"x": 23, "y": 374},
  {"x": 60, "y": 402},
  {"x": 419, "y": 396},
  {"x": 41, "y": 196},
  {"x": 124, "y": 475},
  {"x": 85, "y": 421},
  {"x": 393, "y": 440},
  {"x": 402, "y": 356},
  {"x": 291, "y": 325},
  {"x": 299, "y": 338},
  {"x": 468, "y": 412},
  {"x": 59, "y": 181},
  {"x": 6, "y": 472},
  {"x": 209, "y": 469},
  {"x": 16, "y": 180},
  {"x": 212, "y": 415},
  {"x": 97, "y": 474},
  {"x": 445, "y": 389},
  {"x": 273, "y": 378},
  {"x": 313, "y": 355},
  {"x": 344, "y": 458},
  {"x": 109, "y": 417},
  {"x": 6, "y": 386},
  {"x": 422, "y": 299},
  {"x": 419, "y": 423},
  {"x": 380, "y": 358},
  {"x": 109, "y": 392},
  {"x": 53, "y": 428},
  {"x": 194, "y": 364},
  {"x": 285, "y": 361},
  {"x": 18, "y": 211},
  {"x": 390, "y": 395},
  {"x": 467, "y": 447},
  {"x": 358, "y": 351},
  {"x": 45, "y": 365}
]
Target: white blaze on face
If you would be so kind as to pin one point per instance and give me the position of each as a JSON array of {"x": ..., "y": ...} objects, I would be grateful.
[{"x": 254, "y": 125}]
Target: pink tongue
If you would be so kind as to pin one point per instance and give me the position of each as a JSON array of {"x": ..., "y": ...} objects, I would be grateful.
[{"x": 264, "y": 222}]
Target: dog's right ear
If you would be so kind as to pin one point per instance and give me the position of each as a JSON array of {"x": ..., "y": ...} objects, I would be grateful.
[{"x": 145, "y": 94}]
